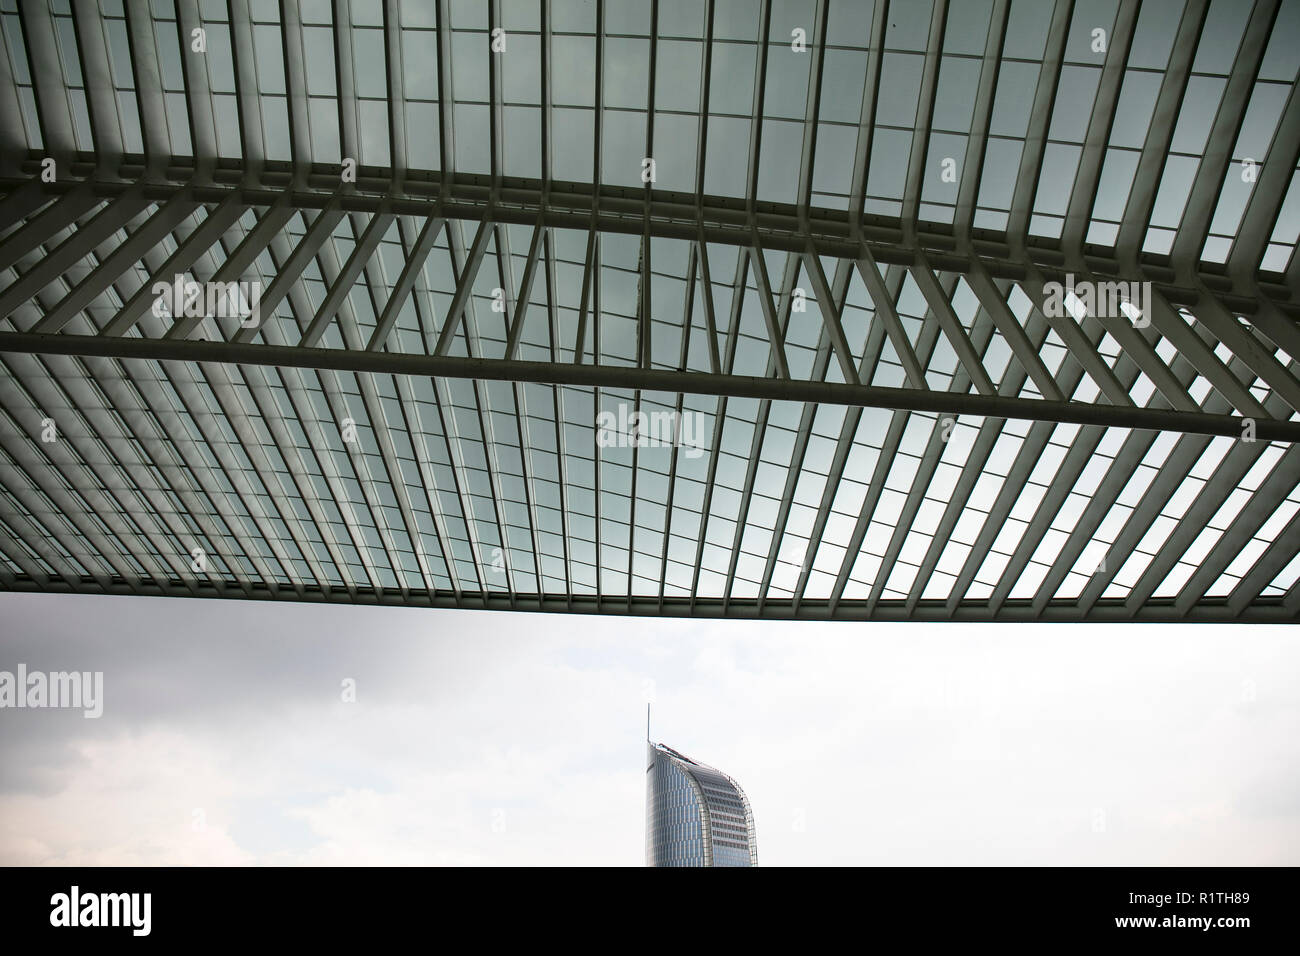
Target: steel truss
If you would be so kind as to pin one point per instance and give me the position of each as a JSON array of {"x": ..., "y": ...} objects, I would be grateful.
[{"x": 896, "y": 424}]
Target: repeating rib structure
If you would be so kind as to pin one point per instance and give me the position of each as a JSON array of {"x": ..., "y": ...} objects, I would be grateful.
[{"x": 729, "y": 308}]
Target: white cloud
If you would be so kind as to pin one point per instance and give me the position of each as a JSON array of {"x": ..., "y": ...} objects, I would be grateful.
[{"x": 482, "y": 739}]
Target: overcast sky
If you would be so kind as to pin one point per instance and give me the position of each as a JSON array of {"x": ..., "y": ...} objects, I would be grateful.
[{"x": 493, "y": 738}]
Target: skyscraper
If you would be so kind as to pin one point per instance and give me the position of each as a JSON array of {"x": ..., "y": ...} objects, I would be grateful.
[{"x": 695, "y": 815}]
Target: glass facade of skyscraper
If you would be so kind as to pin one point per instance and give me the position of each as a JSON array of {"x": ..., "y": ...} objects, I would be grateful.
[{"x": 696, "y": 815}]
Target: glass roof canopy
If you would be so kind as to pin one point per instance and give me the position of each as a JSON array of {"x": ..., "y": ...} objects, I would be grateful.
[{"x": 806, "y": 248}]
